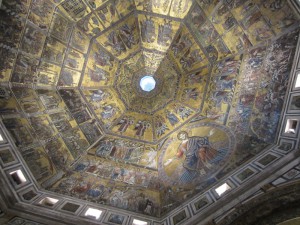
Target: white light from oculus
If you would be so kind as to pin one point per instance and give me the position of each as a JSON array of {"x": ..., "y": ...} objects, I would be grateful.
[{"x": 147, "y": 83}]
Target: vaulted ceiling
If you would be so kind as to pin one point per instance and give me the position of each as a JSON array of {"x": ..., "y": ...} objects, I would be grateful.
[{"x": 70, "y": 76}]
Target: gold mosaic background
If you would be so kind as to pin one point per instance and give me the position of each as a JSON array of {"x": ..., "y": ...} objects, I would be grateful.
[{"x": 69, "y": 75}]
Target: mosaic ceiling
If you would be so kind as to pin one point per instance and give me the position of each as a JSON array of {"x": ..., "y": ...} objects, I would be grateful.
[{"x": 70, "y": 74}]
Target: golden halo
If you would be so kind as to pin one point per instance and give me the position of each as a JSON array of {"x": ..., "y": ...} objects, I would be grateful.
[{"x": 182, "y": 135}]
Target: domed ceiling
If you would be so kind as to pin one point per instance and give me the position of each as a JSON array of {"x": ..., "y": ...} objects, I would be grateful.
[{"x": 71, "y": 97}]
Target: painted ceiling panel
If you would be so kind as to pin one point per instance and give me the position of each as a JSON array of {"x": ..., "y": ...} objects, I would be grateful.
[
  {"x": 8, "y": 103},
  {"x": 62, "y": 121},
  {"x": 236, "y": 40},
  {"x": 159, "y": 7},
  {"x": 21, "y": 131},
  {"x": 94, "y": 4},
  {"x": 39, "y": 163},
  {"x": 131, "y": 65},
  {"x": 61, "y": 27},
  {"x": 73, "y": 60},
  {"x": 105, "y": 182},
  {"x": 186, "y": 52},
  {"x": 134, "y": 125},
  {"x": 152, "y": 59},
  {"x": 28, "y": 100},
  {"x": 107, "y": 14},
  {"x": 41, "y": 13},
  {"x": 74, "y": 9},
  {"x": 175, "y": 8},
  {"x": 137, "y": 154},
  {"x": 90, "y": 25},
  {"x": 80, "y": 41},
  {"x": 112, "y": 11},
  {"x": 171, "y": 117},
  {"x": 59, "y": 153},
  {"x": 221, "y": 88},
  {"x": 48, "y": 74},
  {"x": 105, "y": 104},
  {"x": 180, "y": 8},
  {"x": 124, "y": 7},
  {"x": 192, "y": 87},
  {"x": 75, "y": 141},
  {"x": 279, "y": 19},
  {"x": 157, "y": 33},
  {"x": 18, "y": 8},
  {"x": 100, "y": 68},
  {"x": 8, "y": 56},
  {"x": 70, "y": 75},
  {"x": 54, "y": 51},
  {"x": 33, "y": 41},
  {"x": 123, "y": 39},
  {"x": 25, "y": 69},
  {"x": 91, "y": 129}
]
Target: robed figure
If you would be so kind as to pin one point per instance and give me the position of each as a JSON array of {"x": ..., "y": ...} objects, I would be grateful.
[{"x": 198, "y": 156}]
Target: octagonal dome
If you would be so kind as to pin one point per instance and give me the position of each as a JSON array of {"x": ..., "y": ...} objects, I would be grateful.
[{"x": 71, "y": 71}]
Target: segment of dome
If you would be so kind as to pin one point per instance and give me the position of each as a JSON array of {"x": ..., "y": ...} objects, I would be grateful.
[
  {"x": 157, "y": 33},
  {"x": 176, "y": 8},
  {"x": 128, "y": 85},
  {"x": 100, "y": 67},
  {"x": 73, "y": 104},
  {"x": 123, "y": 39}
]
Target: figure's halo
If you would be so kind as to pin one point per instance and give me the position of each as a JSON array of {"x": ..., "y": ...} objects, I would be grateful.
[{"x": 182, "y": 135}]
